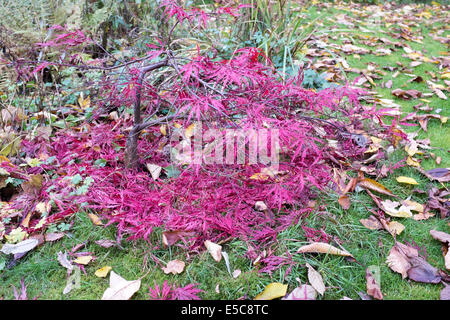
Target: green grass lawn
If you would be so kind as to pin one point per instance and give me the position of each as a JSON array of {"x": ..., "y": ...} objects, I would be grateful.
[{"x": 46, "y": 279}]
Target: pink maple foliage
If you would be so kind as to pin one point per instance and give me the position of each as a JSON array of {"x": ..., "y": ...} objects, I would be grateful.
[
  {"x": 211, "y": 200},
  {"x": 172, "y": 292}
]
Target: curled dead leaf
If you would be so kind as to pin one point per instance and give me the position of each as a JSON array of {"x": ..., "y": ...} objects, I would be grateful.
[
  {"x": 315, "y": 278},
  {"x": 120, "y": 289},
  {"x": 214, "y": 249},
  {"x": 174, "y": 267},
  {"x": 367, "y": 183},
  {"x": 322, "y": 247},
  {"x": 373, "y": 287}
]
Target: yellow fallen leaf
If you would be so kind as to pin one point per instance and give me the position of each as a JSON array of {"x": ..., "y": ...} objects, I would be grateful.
[
  {"x": 84, "y": 103},
  {"x": 26, "y": 222},
  {"x": 163, "y": 130},
  {"x": 390, "y": 207},
  {"x": 95, "y": 219},
  {"x": 3, "y": 159},
  {"x": 43, "y": 208},
  {"x": 272, "y": 291},
  {"x": 411, "y": 148},
  {"x": 406, "y": 180},
  {"x": 83, "y": 260},
  {"x": 413, "y": 205},
  {"x": 395, "y": 228},
  {"x": 375, "y": 186},
  {"x": 414, "y": 55},
  {"x": 410, "y": 161},
  {"x": 322, "y": 247},
  {"x": 103, "y": 272},
  {"x": 189, "y": 132}
]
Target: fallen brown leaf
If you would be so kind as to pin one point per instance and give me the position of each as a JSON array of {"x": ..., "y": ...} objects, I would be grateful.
[
  {"x": 315, "y": 279},
  {"x": 174, "y": 267},
  {"x": 373, "y": 288},
  {"x": 322, "y": 247}
]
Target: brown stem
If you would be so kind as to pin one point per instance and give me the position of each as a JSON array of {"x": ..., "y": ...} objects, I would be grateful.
[{"x": 131, "y": 150}]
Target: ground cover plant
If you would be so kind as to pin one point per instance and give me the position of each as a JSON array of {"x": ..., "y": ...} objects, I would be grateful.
[{"x": 109, "y": 185}]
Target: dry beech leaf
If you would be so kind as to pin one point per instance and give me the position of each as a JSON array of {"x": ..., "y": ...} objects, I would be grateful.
[
  {"x": 397, "y": 259},
  {"x": 445, "y": 239},
  {"x": 106, "y": 243},
  {"x": 344, "y": 201},
  {"x": 371, "y": 223},
  {"x": 445, "y": 293},
  {"x": 440, "y": 236},
  {"x": 423, "y": 216},
  {"x": 62, "y": 259},
  {"x": 367, "y": 183},
  {"x": 174, "y": 267},
  {"x": 413, "y": 206},
  {"x": 395, "y": 228},
  {"x": 260, "y": 206},
  {"x": 95, "y": 219},
  {"x": 236, "y": 273},
  {"x": 154, "y": 170},
  {"x": 304, "y": 292},
  {"x": 410, "y": 161},
  {"x": 390, "y": 207},
  {"x": 406, "y": 261},
  {"x": 322, "y": 247},
  {"x": 438, "y": 174},
  {"x": 373, "y": 288},
  {"x": 422, "y": 271},
  {"x": 103, "y": 272},
  {"x": 315, "y": 279},
  {"x": 84, "y": 260},
  {"x": 407, "y": 180},
  {"x": 21, "y": 247},
  {"x": 272, "y": 291},
  {"x": 171, "y": 237},
  {"x": 440, "y": 94},
  {"x": 53, "y": 236},
  {"x": 119, "y": 288},
  {"x": 214, "y": 249}
]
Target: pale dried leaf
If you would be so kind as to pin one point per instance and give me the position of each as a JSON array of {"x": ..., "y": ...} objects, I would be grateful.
[
  {"x": 373, "y": 288},
  {"x": 120, "y": 289},
  {"x": 322, "y": 247},
  {"x": 106, "y": 243},
  {"x": 174, "y": 267},
  {"x": 21, "y": 247},
  {"x": 440, "y": 236},
  {"x": 62, "y": 259},
  {"x": 214, "y": 249},
  {"x": 315, "y": 279},
  {"x": 371, "y": 223},
  {"x": 154, "y": 170},
  {"x": 53, "y": 236},
  {"x": 304, "y": 292}
]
